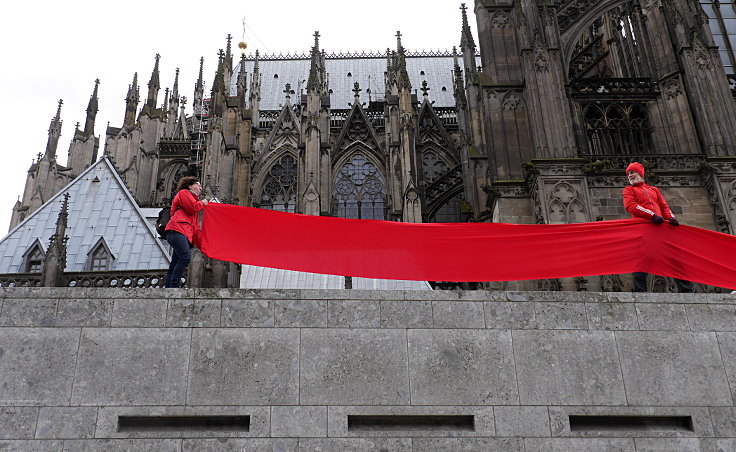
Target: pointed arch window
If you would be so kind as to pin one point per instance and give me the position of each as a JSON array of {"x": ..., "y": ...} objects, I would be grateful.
[
  {"x": 33, "y": 259},
  {"x": 279, "y": 188},
  {"x": 100, "y": 257},
  {"x": 452, "y": 211},
  {"x": 359, "y": 190},
  {"x": 433, "y": 167},
  {"x": 617, "y": 129}
]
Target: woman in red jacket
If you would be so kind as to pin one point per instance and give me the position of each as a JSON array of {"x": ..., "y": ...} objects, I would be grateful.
[{"x": 180, "y": 228}]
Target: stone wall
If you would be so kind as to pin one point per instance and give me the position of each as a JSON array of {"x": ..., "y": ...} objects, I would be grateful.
[{"x": 324, "y": 370}]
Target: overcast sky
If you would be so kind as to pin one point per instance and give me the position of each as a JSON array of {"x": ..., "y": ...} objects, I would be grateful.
[{"x": 55, "y": 50}]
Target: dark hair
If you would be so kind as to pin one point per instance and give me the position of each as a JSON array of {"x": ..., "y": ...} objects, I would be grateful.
[{"x": 186, "y": 182}]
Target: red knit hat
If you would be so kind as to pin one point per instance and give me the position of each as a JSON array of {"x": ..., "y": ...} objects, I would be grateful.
[{"x": 635, "y": 166}]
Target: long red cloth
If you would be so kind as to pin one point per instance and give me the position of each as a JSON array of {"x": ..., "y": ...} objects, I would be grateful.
[{"x": 464, "y": 251}]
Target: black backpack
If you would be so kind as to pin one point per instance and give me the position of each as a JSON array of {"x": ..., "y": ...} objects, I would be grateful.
[{"x": 163, "y": 219}]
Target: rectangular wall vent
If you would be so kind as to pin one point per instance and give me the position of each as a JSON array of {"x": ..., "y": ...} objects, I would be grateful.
[
  {"x": 585, "y": 423},
  {"x": 183, "y": 423},
  {"x": 390, "y": 423}
]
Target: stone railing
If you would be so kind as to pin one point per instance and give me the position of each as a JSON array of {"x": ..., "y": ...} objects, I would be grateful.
[{"x": 133, "y": 279}]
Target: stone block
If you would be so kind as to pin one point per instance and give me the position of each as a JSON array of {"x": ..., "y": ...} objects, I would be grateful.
[
  {"x": 443, "y": 295},
  {"x": 675, "y": 444},
  {"x": 468, "y": 444},
  {"x": 727, "y": 346},
  {"x": 461, "y": 367},
  {"x": 724, "y": 421},
  {"x": 131, "y": 366},
  {"x": 612, "y": 316},
  {"x": 483, "y": 421},
  {"x": 122, "y": 445},
  {"x": 355, "y": 445},
  {"x": 482, "y": 295},
  {"x": 28, "y": 312},
  {"x": 107, "y": 421},
  {"x": 17, "y": 422},
  {"x": 672, "y": 369},
  {"x": 510, "y": 315},
  {"x": 301, "y": 313},
  {"x": 406, "y": 314},
  {"x": 247, "y": 313},
  {"x": 81, "y": 312},
  {"x": 254, "y": 366},
  {"x": 458, "y": 314},
  {"x": 560, "y": 315},
  {"x": 240, "y": 445},
  {"x": 37, "y": 365},
  {"x": 659, "y": 316},
  {"x": 711, "y": 317},
  {"x": 299, "y": 421},
  {"x": 521, "y": 421},
  {"x": 139, "y": 313},
  {"x": 353, "y": 314},
  {"x": 726, "y": 445},
  {"x": 568, "y": 368},
  {"x": 579, "y": 444},
  {"x": 66, "y": 422},
  {"x": 31, "y": 446},
  {"x": 198, "y": 313},
  {"x": 354, "y": 367}
]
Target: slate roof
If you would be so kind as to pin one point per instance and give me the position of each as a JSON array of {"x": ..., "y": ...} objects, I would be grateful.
[
  {"x": 99, "y": 206},
  {"x": 253, "y": 277},
  {"x": 367, "y": 71}
]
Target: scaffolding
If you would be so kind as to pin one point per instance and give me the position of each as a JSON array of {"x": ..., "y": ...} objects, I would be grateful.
[{"x": 199, "y": 135}]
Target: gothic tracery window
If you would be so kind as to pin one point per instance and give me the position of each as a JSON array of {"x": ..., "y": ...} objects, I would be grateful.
[
  {"x": 359, "y": 190},
  {"x": 34, "y": 260},
  {"x": 279, "y": 188},
  {"x": 617, "y": 129},
  {"x": 722, "y": 22},
  {"x": 432, "y": 166},
  {"x": 451, "y": 211}
]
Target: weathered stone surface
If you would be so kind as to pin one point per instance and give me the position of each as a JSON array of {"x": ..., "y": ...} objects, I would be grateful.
[
  {"x": 301, "y": 313},
  {"x": 724, "y": 421},
  {"x": 30, "y": 446},
  {"x": 454, "y": 367},
  {"x": 580, "y": 444},
  {"x": 240, "y": 445},
  {"x": 353, "y": 314},
  {"x": 356, "y": 445},
  {"x": 406, "y": 314},
  {"x": 83, "y": 312},
  {"x": 458, "y": 314},
  {"x": 659, "y": 316},
  {"x": 568, "y": 368},
  {"x": 612, "y": 316},
  {"x": 138, "y": 313},
  {"x": 122, "y": 445},
  {"x": 468, "y": 444},
  {"x": 672, "y": 368},
  {"x": 299, "y": 421},
  {"x": 521, "y": 421},
  {"x": 107, "y": 421},
  {"x": 483, "y": 420},
  {"x": 560, "y": 316},
  {"x": 187, "y": 313},
  {"x": 711, "y": 317},
  {"x": 675, "y": 444},
  {"x": 256, "y": 366},
  {"x": 515, "y": 315},
  {"x": 726, "y": 445},
  {"x": 247, "y": 313},
  {"x": 28, "y": 312},
  {"x": 727, "y": 347},
  {"x": 131, "y": 366},
  {"x": 37, "y": 365},
  {"x": 17, "y": 422},
  {"x": 354, "y": 367},
  {"x": 66, "y": 422}
]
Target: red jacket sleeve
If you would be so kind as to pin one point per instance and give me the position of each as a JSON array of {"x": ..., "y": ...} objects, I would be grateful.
[
  {"x": 666, "y": 212},
  {"x": 187, "y": 202},
  {"x": 633, "y": 207}
]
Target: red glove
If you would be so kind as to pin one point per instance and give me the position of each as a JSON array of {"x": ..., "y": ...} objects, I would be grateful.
[
  {"x": 657, "y": 219},
  {"x": 673, "y": 221}
]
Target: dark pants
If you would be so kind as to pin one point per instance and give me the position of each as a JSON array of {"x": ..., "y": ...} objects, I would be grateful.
[
  {"x": 640, "y": 283},
  {"x": 179, "y": 259}
]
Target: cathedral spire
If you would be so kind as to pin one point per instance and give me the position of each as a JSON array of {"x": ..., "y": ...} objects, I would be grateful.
[
  {"x": 131, "y": 102},
  {"x": 199, "y": 90},
  {"x": 242, "y": 76},
  {"x": 458, "y": 84},
  {"x": 218, "y": 88},
  {"x": 175, "y": 89},
  {"x": 54, "y": 262},
  {"x": 466, "y": 37},
  {"x": 402, "y": 76},
  {"x": 317, "y": 77},
  {"x": 54, "y": 133},
  {"x": 255, "y": 88},
  {"x": 89, "y": 124},
  {"x": 154, "y": 85}
]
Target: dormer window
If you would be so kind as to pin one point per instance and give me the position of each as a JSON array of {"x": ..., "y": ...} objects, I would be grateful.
[
  {"x": 100, "y": 258},
  {"x": 34, "y": 259}
]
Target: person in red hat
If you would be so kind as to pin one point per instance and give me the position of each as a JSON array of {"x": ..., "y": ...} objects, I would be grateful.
[{"x": 644, "y": 201}]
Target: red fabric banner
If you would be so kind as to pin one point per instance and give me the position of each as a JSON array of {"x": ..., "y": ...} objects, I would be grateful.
[{"x": 464, "y": 251}]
